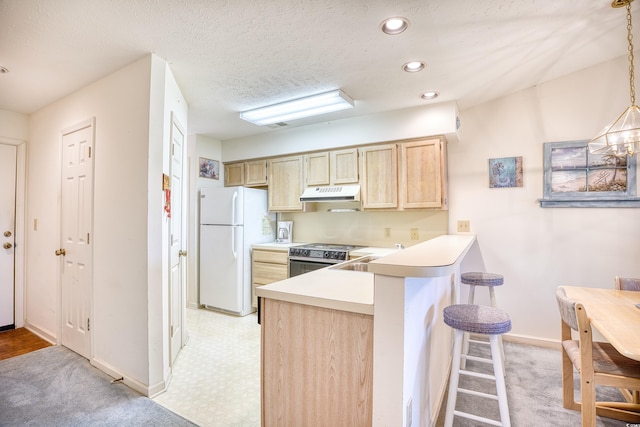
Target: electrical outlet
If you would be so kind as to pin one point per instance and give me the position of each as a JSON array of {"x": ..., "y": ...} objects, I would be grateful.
[
  {"x": 387, "y": 232},
  {"x": 414, "y": 234},
  {"x": 464, "y": 226}
]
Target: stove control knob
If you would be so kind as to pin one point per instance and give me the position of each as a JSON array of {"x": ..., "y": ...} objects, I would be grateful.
[{"x": 305, "y": 252}]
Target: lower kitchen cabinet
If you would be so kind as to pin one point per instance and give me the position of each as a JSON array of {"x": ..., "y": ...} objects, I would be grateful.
[
  {"x": 317, "y": 366},
  {"x": 267, "y": 266}
]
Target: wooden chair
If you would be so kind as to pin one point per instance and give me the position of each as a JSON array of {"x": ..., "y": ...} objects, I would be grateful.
[
  {"x": 597, "y": 363},
  {"x": 627, "y": 284}
]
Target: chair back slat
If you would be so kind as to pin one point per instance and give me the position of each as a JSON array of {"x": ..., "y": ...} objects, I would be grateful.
[{"x": 567, "y": 308}]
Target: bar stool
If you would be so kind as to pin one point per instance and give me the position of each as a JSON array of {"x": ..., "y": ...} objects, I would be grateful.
[
  {"x": 489, "y": 280},
  {"x": 483, "y": 320}
]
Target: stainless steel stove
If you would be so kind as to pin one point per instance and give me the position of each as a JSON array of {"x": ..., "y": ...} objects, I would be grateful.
[{"x": 313, "y": 256}]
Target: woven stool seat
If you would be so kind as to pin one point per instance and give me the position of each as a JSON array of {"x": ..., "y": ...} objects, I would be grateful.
[
  {"x": 478, "y": 319},
  {"x": 476, "y": 278}
]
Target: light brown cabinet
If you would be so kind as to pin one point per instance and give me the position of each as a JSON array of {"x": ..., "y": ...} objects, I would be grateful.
[
  {"x": 286, "y": 182},
  {"x": 344, "y": 166},
  {"x": 267, "y": 266},
  {"x": 233, "y": 174},
  {"x": 317, "y": 366},
  {"x": 379, "y": 176},
  {"x": 423, "y": 181},
  {"x": 317, "y": 165},
  {"x": 255, "y": 173}
]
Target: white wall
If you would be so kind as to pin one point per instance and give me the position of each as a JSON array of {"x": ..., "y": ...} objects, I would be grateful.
[
  {"x": 539, "y": 249},
  {"x": 129, "y": 236},
  {"x": 14, "y": 125}
]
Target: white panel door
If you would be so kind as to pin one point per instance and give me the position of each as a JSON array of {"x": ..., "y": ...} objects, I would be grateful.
[
  {"x": 7, "y": 232},
  {"x": 76, "y": 216},
  {"x": 177, "y": 278}
]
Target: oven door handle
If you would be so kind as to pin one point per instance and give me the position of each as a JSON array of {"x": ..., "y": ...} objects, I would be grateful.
[{"x": 316, "y": 260}]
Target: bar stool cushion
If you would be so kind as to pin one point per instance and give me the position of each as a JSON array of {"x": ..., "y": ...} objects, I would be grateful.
[
  {"x": 477, "y": 319},
  {"x": 477, "y": 278}
]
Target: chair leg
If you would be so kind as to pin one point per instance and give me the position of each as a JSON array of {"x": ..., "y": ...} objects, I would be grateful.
[
  {"x": 588, "y": 400},
  {"x": 498, "y": 369},
  {"x": 454, "y": 378},
  {"x": 568, "y": 398}
]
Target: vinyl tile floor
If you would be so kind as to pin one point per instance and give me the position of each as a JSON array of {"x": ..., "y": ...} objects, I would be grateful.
[{"x": 216, "y": 377}]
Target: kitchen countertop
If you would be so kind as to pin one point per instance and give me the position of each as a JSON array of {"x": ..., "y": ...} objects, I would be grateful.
[
  {"x": 353, "y": 290},
  {"x": 276, "y": 245}
]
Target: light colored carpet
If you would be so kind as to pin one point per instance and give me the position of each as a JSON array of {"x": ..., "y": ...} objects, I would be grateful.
[
  {"x": 534, "y": 390},
  {"x": 56, "y": 387}
]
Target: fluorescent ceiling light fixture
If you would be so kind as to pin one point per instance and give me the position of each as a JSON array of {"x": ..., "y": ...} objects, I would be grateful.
[
  {"x": 394, "y": 25},
  {"x": 314, "y": 105}
]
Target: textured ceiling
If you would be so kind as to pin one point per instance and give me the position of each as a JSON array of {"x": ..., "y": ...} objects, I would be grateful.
[{"x": 230, "y": 56}]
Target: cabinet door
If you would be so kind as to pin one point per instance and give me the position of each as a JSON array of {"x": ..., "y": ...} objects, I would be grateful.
[
  {"x": 379, "y": 177},
  {"x": 233, "y": 174},
  {"x": 255, "y": 173},
  {"x": 344, "y": 166},
  {"x": 286, "y": 183},
  {"x": 317, "y": 169},
  {"x": 421, "y": 163}
]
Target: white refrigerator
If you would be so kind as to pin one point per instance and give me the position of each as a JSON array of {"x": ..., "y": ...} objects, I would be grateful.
[{"x": 231, "y": 220}]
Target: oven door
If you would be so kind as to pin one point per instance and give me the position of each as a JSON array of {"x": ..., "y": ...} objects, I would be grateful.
[{"x": 298, "y": 266}]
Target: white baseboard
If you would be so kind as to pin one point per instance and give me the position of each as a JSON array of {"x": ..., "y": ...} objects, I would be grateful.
[
  {"x": 45, "y": 335},
  {"x": 138, "y": 386},
  {"x": 538, "y": 342}
]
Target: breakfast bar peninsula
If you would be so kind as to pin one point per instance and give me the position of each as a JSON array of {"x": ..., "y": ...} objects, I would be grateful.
[{"x": 361, "y": 345}]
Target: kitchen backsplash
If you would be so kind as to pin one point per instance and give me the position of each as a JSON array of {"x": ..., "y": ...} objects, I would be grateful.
[{"x": 382, "y": 229}]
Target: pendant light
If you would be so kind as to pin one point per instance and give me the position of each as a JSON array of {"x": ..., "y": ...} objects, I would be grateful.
[{"x": 622, "y": 136}]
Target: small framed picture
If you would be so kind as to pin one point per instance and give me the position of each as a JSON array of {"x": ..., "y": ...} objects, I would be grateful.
[
  {"x": 505, "y": 172},
  {"x": 209, "y": 168}
]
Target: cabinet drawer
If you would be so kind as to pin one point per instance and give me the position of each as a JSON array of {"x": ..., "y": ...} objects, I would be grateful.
[
  {"x": 271, "y": 256},
  {"x": 264, "y": 273}
]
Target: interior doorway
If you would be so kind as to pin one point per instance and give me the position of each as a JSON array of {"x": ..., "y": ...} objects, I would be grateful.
[{"x": 8, "y": 159}]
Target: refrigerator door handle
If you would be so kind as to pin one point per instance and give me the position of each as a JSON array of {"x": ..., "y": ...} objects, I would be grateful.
[
  {"x": 233, "y": 242},
  {"x": 234, "y": 202}
]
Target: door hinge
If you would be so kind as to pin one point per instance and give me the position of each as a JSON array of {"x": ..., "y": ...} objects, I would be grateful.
[
  {"x": 87, "y": 238},
  {"x": 171, "y": 331},
  {"x": 89, "y": 152},
  {"x": 88, "y": 324}
]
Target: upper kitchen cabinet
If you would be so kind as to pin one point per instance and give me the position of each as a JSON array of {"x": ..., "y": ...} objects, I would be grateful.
[
  {"x": 317, "y": 169},
  {"x": 335, "y": 167},
  {"x": 233, "y": 174},
  {"x": 255, "y": 173},
  {"x": 379, "y": 176},
  {"x": 423, "y": 177},
  {"x": 344, "y": 166},
  {"x": 286, "y": 183}
]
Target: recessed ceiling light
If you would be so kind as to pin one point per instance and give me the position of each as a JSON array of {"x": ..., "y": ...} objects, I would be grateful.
[
  {"x": 3, "y": 70},
  {"x": 432, "y": 94},
  {"x": 414, "y": 66},
  {"x": 394, "y": 25}
]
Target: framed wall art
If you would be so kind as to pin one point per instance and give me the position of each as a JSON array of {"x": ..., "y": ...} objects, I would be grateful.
[
  {"x": 573, "y": 177},
  {"x": 505, "y": 172},
  {"x": 209, "y": 168}
]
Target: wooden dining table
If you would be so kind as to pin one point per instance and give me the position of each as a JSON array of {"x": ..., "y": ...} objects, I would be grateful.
[{"x": 614, "y": 314}]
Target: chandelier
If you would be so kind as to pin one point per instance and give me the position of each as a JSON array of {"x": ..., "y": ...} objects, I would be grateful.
[{"x": 622, "y": 136}]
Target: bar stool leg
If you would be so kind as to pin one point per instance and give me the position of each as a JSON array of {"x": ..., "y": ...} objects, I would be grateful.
[
  {"x": 492, "y": 294},
  {"x": 501, "y": 389},
  {"x": 465, "y": 339},
  {"x": 454, "y": 378}
]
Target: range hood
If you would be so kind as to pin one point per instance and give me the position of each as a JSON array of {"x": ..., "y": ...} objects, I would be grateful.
[{"x": 331, "y": 194}]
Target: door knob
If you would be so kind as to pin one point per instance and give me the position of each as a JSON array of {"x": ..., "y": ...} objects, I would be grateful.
[
  {"x": 182, "y": 253},
  {"x": 7, "y": 233},
  {"x": 61, "y": 252},
  {"x": 7, "y": 245}
]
